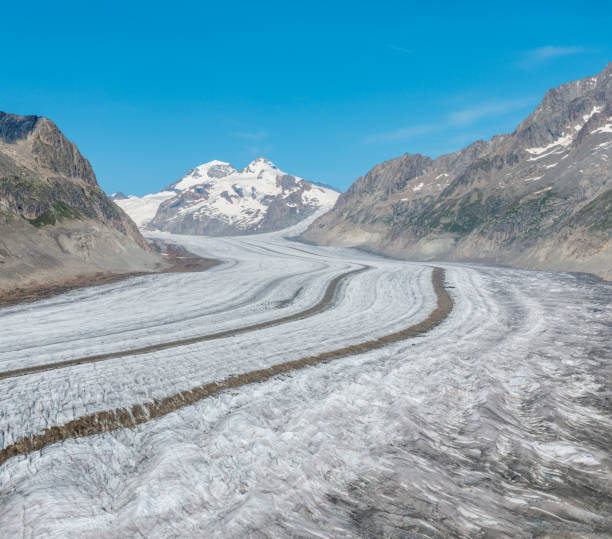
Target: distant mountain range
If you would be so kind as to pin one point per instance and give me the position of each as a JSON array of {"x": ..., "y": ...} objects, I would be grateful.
[
  {"x": 55, "y": 221},
  {"x": 540, "y": 197},
  {"x": 216, "y": 199}
]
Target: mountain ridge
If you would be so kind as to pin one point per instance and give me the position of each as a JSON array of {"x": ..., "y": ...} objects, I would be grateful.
[
  {"x": 536, "y": 198},
  {"x": 55, "y": 221}
]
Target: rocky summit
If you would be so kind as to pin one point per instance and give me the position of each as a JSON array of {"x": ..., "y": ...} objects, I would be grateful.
[
  {"x": 215, "y": 199},
  {"x": 55, "y": 221},
  {"x": 540, "y": 197}
]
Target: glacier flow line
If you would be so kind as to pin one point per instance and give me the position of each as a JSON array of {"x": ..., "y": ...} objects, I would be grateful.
[
  {"x": 119, "y": 418},
  {"x": 324, "y": 304}
]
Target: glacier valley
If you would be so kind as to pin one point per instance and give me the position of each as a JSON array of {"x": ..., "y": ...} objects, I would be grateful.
[{"x": 496, "y": 422}]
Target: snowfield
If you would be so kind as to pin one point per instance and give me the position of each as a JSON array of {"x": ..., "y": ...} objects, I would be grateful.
[
  {"x": 143, "y": 209},
  {"x": 496, "y": 422}
]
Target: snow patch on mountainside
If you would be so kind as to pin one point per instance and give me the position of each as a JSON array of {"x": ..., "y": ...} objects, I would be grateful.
[
  {"x": 564, "y": 140},
  {"x": 607, "y": 128}
]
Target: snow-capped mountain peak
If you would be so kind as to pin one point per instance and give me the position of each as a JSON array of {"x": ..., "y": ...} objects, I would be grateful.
[
  {"x": 203, "y": 173},
  {"x": 259, "y": 165},
  {"x": 215, "y": 198}
]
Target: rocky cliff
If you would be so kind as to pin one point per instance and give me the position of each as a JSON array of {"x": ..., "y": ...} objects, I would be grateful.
[
  {"x": 540, "y": 197},
  {"x": 55, "y": 221}
]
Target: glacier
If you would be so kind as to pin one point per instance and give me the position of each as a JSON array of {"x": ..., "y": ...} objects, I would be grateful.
[{"x": 495, "y": 423}]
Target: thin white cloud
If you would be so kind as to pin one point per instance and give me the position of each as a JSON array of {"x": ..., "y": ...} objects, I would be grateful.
[
  {"x": 253, "y": 135},
  {"x": 471, "y": 115},
  {"x": 459, "y": 119},
  {"x": 400, "y": 49},
  {"x": 535, "y": 57},
  {"x": 402, "y": 133},
  {"x": 258, "y": 150}
]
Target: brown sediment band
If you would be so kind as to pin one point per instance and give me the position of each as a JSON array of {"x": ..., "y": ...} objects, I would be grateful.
[
  {"x": 321, "y": 306},
  {"x": 119, "y": 418}
]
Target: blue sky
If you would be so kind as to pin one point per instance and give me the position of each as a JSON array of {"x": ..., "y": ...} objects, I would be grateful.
[{"x": 324, "y": 89}]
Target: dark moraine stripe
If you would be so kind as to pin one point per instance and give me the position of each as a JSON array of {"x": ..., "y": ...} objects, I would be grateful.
[{"x": 119, "y": 418}]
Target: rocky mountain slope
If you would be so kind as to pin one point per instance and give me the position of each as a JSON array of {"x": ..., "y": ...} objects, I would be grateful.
[
  {"x": 55, "y": 221},
  {"x": 540, "y": 197},
  {"x": 215, "y": 199}
]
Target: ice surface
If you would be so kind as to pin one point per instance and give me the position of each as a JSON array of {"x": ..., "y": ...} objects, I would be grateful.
[{"x": 494, "y": 423}]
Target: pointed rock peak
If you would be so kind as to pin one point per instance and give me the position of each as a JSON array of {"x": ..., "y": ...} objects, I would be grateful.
[
  {"x": 604, "y": 79},
  {"x": 260, "y": 164}
]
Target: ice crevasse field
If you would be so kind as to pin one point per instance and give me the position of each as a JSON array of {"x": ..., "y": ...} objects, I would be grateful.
[{"x": 497, "y": 422}]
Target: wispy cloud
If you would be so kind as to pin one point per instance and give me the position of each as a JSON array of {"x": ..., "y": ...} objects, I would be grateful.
[
  {"x": 258, "y": 150},
  {"x": 471, "y": 115},
  {"x": 538, "y": 56},
  {"x": 402, "y": 133},
  {"x": 456, "y": 120},
  {"x": 252, "y": 135},
  {"x": 400, "y": 49}
]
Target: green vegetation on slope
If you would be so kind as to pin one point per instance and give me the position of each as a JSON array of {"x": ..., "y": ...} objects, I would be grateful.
[
  {"x": 58, "y": 212},
  {"x": 597, "y": 214}
]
